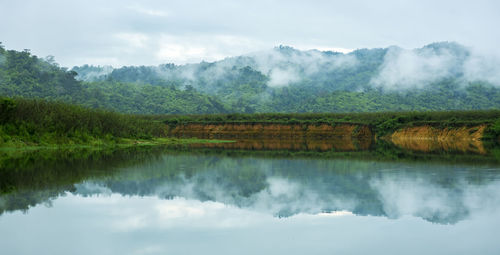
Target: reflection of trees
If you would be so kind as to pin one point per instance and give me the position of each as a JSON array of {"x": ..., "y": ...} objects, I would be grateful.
[
  {"x": 283, "y": 186},
  {"x": 30, "y": 178},
  {"x": 307, "y": 185}
]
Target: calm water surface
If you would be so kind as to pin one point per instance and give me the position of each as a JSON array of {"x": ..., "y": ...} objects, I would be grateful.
[{"x": 167, "y": 202}]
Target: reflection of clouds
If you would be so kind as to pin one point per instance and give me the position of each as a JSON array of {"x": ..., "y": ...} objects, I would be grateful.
[
  {"x": 150, "y": 249},
  {"x": 483, "y": 198},
  {"x": 284, "y": 197},
  {"x": 133, "y": 213},
  {"x": 335, "y": 214},
  {"x": 285, "y": 188},
  {"x": 89, "y": 188},
  {"x": 95, "y": 229},
  {"x": 204, "y": 197},
  {"x": 279, "y": 196},
  {"x": 282, "y": 187},
  {"x": 181, "y": 209},
  {"x": 410, "y": 195},
  {"x": 130, "y": 222},
  {"x": 414, "y": 197},
  {"x": 183, "y": 212}
]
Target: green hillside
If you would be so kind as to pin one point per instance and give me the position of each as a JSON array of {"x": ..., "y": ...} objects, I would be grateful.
[
  {"x": 436, "y": 77},
  {"x": 25, "y": 75}
]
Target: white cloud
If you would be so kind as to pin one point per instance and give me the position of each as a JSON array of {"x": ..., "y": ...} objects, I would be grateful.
[
  {"x": 78, "y": 30},
  {"x": 151, "y": 12},
  {"x": 178, "y": 53},
  {"x": 324, "y": 48},
  {"x": 99, "y": 61},
  {"x": 280, "y": 77},
  {"x": 483, "y": 66},
  {"x": 181, "y": 49},
  {"x": 403, "y": 69},
  {"x": 133, "y": 40}
]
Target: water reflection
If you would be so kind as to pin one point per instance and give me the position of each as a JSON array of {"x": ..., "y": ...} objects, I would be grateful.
[
  {"x": 211, "y": 201},
  {"x": 439, "y": 145},
  {"x": 300, "y": 144},
  {"x": 116, "y": 224},
  {"x": 285, "y": 187},
  {"x": 279, "y": 187}
]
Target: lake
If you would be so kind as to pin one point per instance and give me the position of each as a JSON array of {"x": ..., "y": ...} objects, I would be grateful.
[{"x": 208, "y": 200}]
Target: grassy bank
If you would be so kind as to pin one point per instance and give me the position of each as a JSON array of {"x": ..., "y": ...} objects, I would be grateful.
[
  {"x": 103, "y": 144},
  {"x": 26, "y": 124}
]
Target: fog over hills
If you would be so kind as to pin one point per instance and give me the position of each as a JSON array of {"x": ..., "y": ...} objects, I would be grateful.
[
  {"x": 438, "y": 76},
  {"x": 286, "y": 79},
  {"x": 391, "y": 68}
]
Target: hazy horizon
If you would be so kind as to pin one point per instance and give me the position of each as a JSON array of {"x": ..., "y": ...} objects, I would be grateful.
[{"x": 122, "y": 33}]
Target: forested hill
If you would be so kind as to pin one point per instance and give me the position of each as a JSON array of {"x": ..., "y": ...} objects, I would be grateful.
[
  {"x": 25, "y": 75},
  {"x": 439, "y": 76}
]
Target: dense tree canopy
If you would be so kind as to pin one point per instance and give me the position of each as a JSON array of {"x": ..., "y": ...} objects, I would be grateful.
[
  {"x": 25, "y": 75},
  {"x": 281, "y": 80}
]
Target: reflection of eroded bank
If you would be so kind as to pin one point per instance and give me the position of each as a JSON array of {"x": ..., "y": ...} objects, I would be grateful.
[
  {"x": 341, "y": 137},
  {"x": 338, "y": 144},
  {"x": 430, "y": 139},
  {"x": 272, "y": 136},
  {"x": 270, "y": 130}
]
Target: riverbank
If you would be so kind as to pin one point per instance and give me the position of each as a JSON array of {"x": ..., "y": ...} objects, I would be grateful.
[
  {"x": 360, "y": 125},
  {"x": 102, "y": 143},
  {"x": 39, "y": 124}
]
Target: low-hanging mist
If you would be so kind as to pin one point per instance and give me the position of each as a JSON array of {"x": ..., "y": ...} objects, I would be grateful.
[
  {"x": 390, "y": 68},
  {"x": 439, "y": 76},
  {"x": 285, "y": 79}
]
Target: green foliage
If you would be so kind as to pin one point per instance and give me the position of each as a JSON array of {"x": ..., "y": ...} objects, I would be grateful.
[
  {"x": 7, "y": 107},
  {"x": 24, "y": 75},
  {"x": 235, "y": 85},
  {"x": 328, "y": 87},
  {"x": 148, "y": 99},
  {"x": 494, "y": 129},
  {"x": 43, "y": 122},
  {"x": 444, "y": 95}
]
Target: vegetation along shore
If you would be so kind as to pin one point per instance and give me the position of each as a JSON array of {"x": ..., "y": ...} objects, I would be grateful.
[{"x": 40, "y": 123}]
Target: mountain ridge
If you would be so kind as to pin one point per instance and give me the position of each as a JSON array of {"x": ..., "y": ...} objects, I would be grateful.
[{"x": 438, "y": 76}]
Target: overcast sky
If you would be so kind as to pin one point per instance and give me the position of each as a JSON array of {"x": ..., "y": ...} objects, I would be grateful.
[{"x": 125, "y": 32}]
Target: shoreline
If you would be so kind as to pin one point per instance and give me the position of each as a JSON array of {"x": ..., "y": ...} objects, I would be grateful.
[{"x": 100, "y": 143}]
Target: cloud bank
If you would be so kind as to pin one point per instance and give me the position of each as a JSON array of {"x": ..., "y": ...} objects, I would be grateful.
[
  {"x": 408, "y": 69},
  {"x": 127, "y": 32}
]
